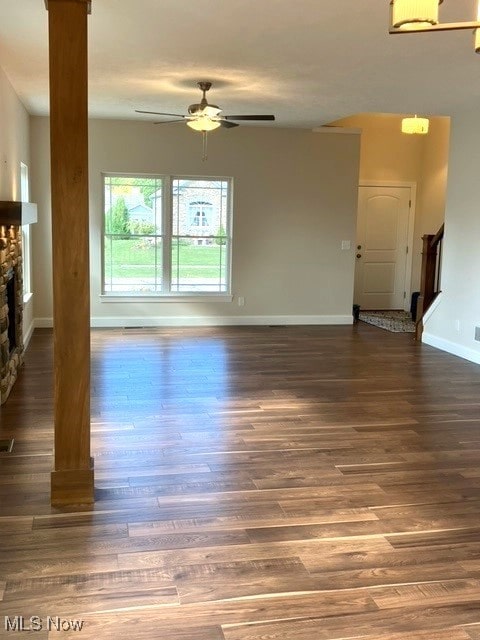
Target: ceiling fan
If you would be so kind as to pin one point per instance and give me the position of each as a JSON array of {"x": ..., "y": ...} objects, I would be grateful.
[{"x": 204, "y": 117}]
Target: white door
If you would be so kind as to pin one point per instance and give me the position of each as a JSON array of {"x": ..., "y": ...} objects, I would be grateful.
[{"x": 381, "y": 249}]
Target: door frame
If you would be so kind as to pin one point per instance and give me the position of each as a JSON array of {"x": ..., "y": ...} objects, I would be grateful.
[{"x": 412, "y": 186}]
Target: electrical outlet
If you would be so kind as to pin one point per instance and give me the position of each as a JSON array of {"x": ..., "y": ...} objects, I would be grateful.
[
  {"x": 241, "y": 301},
  {"x": 477, "y": 333}
]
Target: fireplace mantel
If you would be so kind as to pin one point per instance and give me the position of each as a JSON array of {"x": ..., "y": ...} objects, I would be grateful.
[{"x": 17, "y": 213}]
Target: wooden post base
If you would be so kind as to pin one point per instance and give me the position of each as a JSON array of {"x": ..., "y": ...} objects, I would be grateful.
[{"x": 73, "y": 486}]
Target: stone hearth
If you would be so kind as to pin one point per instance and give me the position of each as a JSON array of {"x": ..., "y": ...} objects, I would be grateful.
[
  {"x": 12, "y": 216},
  {"x": 11, "y": 294}
]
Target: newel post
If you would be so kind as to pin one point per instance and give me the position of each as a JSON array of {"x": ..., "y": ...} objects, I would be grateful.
[
  {"x": 427, "y": 282},
  {"x": 72, "y": 476}
]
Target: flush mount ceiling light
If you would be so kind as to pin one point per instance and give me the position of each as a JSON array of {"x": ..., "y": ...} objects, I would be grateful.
[
  {"x": 415, "y": 125},
  {"x": 416, "y": 16}
]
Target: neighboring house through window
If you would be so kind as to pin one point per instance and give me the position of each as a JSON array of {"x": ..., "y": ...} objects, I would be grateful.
[
  {"x": 166, "y": 235},
  {"x": 200, "y": 214}
]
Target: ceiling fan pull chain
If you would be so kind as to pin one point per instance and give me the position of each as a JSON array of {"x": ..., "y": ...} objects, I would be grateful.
[{"x": 204, "y": 137}]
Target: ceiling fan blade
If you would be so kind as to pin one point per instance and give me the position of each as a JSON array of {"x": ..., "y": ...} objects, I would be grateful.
[
  {"x": 159, "y": 113},
  {"x": 263, "y": 117},
  {"x": 167, "y": 121},
  {"x": 228, "y": 125}
]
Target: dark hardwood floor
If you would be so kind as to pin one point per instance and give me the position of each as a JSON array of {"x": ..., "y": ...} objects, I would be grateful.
[{"x": 256, "y": 483}]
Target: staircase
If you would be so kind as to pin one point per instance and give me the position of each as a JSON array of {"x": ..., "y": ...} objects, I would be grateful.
[{"x": 430, "y": 276}]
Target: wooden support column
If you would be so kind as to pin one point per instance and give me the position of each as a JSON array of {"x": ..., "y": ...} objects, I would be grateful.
[{"x": 72, "y": 477}]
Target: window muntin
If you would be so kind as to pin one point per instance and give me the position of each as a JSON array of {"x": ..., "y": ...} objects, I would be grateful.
[{"x": 191, "y": 255}]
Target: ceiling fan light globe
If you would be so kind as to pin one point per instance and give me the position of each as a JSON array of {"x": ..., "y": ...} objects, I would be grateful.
[{"x": 203, "y": 123}]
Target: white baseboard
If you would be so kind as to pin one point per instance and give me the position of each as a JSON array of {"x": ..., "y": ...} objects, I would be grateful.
[
  {"x": 43, "y": 323},
  {"x": 451, "y": 347},
  {"x": 28, "y": 334},
  {"x": 206, "y": 321}
]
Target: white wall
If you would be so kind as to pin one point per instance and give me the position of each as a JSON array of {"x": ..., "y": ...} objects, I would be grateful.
[
  {"x": 14, "y": 149},
  {"x": 451, "y": 325},
  {"x": 295, "y": 200}
]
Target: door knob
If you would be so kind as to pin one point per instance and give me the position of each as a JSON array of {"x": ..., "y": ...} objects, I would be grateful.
[{"x": 359, "y": 255}]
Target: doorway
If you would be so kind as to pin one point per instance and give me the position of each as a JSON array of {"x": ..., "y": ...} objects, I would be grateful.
[{"x": 383, "y": 262}]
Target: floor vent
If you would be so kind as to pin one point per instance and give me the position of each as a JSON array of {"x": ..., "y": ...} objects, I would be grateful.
[{"x": 6, "y": 446}]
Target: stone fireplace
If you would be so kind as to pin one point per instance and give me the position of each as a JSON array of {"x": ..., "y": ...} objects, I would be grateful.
[{"x": 12, "y": 216}]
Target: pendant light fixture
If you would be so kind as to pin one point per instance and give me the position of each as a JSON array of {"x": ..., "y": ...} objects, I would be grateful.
[
  {"x": 415, "y": 125},
  {"x": 414, "y": 14},
  {"x": 419, "y": 16}
]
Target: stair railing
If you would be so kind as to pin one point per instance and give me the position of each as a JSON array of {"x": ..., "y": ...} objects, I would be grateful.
[{"x": 430, "y": 285}]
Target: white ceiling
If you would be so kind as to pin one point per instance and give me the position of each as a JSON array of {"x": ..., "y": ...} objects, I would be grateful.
[{"x": 307, "y": 61}]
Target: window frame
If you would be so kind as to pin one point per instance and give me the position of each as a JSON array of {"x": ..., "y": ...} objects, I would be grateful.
[
  {"x": 26, "y": 235},
  {"x": 167, "y": 210}
]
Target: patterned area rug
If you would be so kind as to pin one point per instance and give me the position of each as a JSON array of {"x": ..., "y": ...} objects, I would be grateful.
[{"x": 396, "y": 321}]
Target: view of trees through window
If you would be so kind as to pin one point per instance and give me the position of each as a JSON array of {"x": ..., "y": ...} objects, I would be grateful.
[{"x": 166, "y": 235}]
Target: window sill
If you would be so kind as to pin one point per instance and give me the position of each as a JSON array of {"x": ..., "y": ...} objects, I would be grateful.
[{"x": 155, "y": 298}]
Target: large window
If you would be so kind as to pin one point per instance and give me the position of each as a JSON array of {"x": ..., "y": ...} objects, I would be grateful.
[
  {"x": 166, "y": 235},
  {"x": 26, "y": 244}
]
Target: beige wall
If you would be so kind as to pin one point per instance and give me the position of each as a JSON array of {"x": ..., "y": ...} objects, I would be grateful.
[
  {"x": 389, "y": 155},
  {"x": 14, "y": 149},
  {"x": 295, "y": 198},
  {"x": 386, "y": 154},
  {"x": 451, "y": 324}
]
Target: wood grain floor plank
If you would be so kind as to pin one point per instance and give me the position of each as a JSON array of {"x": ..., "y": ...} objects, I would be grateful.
[
  {"x": 434, "y": 593},
  {"x": 197, "y": 616},
  {"x": 383, "y": 561},
  {"x": 248, "y": 519},
  {"x": 219, "y": 581},
  {"x": 27, "y": 549},
  {"x": 384, "y": 576},
  {"x": 452, "y": 633},
  {"x": 92, "y": 591},
  {"x": 384, "y": 623},
  {"x": 448, "y": 537},
  {"x": 169, "y": 558},
  {"x": 63, "y": 605},
  {"x": 64, "y": 565}
]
